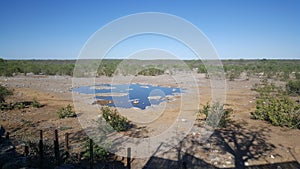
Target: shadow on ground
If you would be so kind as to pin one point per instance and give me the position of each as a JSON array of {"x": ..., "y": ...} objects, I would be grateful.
[{"x": 244, "y": 144}]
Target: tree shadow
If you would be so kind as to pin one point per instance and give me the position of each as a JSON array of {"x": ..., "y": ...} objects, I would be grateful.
[
  {"x": 238, "y": 140},
  {"x": 244, "y": 143}
]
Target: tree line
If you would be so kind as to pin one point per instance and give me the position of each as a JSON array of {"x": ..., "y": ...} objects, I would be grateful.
[{"x": 280, "y": 69}]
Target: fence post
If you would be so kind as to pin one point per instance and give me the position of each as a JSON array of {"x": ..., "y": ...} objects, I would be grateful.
[
  {"x": 67, "y": 145},
  {"x": 79, "y": 158},
  {"x": 91, "y": 154},
  {"x": 41, "y": 146},
  {"x": 26, "y": 150},
  {"x": 7, "y": 135},
  {"x": 128, "y": 158},
  {"x": 56, "y": 147}
]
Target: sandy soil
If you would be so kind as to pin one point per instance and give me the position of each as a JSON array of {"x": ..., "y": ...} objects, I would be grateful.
[{"x": 263, "y": 143}]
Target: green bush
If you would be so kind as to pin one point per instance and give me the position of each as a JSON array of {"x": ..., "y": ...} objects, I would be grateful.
[
  {"x": 293, "y": 87},
  {"x": 202, "y": 69},
  {"x": 35, "y": 103},
  {"x": 66, "y": 112},
  {"x": 4, "y": 92},
  {"x": 205, "y": 110},
  {"x": 274, "y": 106},
  {"x": 216, "y": 115},
  {"x": 6, "y": 106},
  {"x": 233, "y": 74},
  {"x": 151, "y": 72},
  {"x": 99, "y": 153},
  {"x": 20, "y": 105},
  {"x": 114, "y": 119},
  {"x": 279, "y": 111},
  {"x": 297, "y": 75}
]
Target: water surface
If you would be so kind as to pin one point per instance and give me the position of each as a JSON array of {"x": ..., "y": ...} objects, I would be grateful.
[{"x": 132, "y": 95}]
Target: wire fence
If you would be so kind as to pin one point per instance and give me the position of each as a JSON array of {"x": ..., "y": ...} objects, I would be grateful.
[{"x": 50, "y": 153}]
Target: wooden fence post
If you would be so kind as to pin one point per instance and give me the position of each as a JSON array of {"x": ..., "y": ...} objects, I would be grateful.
[
  {"x": 79, "y": 158},
  {"x": 41, "y": 146},
  {"x": 67, "y": 145},
  {"x": 41, "y": 149},
  {"x": 128, "y": 158},
  {"x": 56, "y": 147},
  {"x": 91, "y": 154},
  {"x": 7, "y": 135},
  {"x": 26, "y": 150}
]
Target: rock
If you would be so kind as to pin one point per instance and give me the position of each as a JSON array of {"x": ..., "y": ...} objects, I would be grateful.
[
  {"x": 215, "y": 151},
  {"x": 227, "y": 162}
]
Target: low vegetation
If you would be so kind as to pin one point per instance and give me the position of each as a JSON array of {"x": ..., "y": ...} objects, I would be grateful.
[
  {"x": 151, "y": 72},
  {"x": 37, "y": 67},
  {"x": 4, "y": 92},
  {"x": 293, "y": 87},
  {"x": 114, "y": 119},
  {"x": 276, "y": 69},
  {"x": 216, "y": 115},
  {"x": 99, "y": 153},
  {"x": 66, "y": 112},
  {"x": 274, "y": 106},
  {"x": 117, "y": 122},
  {"x": 35, "y": 103}
]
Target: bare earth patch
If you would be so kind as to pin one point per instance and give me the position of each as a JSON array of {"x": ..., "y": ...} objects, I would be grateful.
[{"x": 246, "y": 140}]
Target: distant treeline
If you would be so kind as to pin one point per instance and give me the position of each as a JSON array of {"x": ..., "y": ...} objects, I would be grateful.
[
  {"x": 270, "y": 68},
  {"x": 279, "y": 69}
]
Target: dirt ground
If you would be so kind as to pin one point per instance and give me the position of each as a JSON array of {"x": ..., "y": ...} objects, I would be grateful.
[{"x": 246, "y": 140}]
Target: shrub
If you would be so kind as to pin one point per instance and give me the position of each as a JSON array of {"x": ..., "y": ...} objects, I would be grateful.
[
  {"x": 205, "y": 110},
  {"x": 275, "y": 107},
  {"x": 233, "y": 75},
  {"x": 35, "y": 103},
  {"x": 279, "y": 111},
  {"x": 202, "y": 69},
  {"x": 216, "y": 115},
  {"x": 114, "y": 119},
  {"x": 297, "y": 75},
  {"x": 99, "y": 153},
  {"x": 293, "y": 87},
  {"x": 6, "y": 106},
  {"x": 4, "y": 92},
  {"x": 66, "y": 112},
  {"x": 20, "y": 105},
  {"x": 151, "y": 72}
]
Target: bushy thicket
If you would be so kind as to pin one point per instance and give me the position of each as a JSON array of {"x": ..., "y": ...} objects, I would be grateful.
[
  {"x": 107, "y": 68},
  {"x": 274, "y": 105},
  {"x": 276, "y": 69},
  {"x": 293, "y": 87},
  {"x": 151, "y": 72},
  {"x": 11, "y": 67}
]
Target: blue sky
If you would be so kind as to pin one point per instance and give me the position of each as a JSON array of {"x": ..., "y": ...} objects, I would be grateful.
[{"x": 56, "y": 29}]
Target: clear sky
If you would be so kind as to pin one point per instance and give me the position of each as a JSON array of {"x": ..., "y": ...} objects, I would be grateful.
[{"x": 58, "y": 29}]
